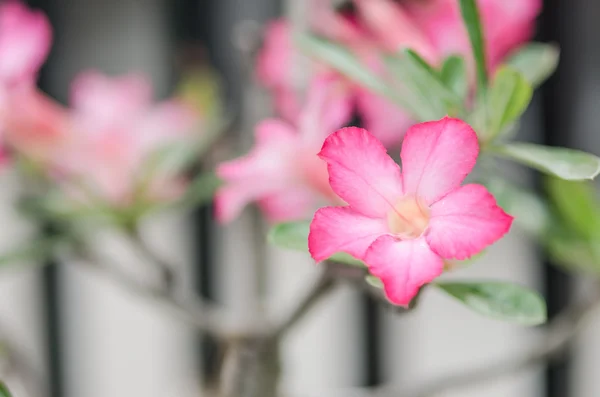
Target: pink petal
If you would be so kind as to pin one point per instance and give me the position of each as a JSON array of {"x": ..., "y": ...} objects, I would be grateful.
[
  {"x": 107, "y": 100},
  {"x": 437, "y": 156},
  {"x": 268, "y": 168},
  {"x": 465, "y": 222},
  {"x": 328, "y": 107},
  {"x": 403, "y": 266},
  {"x": 274, "y": 60},
  {"x": 25, "y": 38},
  {"x": 342, "y": 229},
  {"x": 384, "y": 119},
  {"x": 291, "y": 204},
  {"x": 361, "y": 172},
  {"x": 394, "y": 29}
]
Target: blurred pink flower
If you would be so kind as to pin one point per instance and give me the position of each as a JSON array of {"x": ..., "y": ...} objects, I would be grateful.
[
  {"x": 25, "y": 39},
  {"x": 403, "y": 224},
  {"x": 507, "y": 24},
  {"x": 433, "y": 28},
  {"x": 282, "y": 172},
  {"x": 34, "y": 124},
  {"x": 115, "y": 129}
]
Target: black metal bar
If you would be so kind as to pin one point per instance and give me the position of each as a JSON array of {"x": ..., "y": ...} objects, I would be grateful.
[
  {"x": 558, "y": 285},
  {"x": 50, "y": 280}
]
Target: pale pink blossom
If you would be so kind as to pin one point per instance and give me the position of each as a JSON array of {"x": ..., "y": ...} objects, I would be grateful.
[
  {"x": 25, "y": 39},
  {"x": 433, "y": 28},
  {"x": 507, "y": 24},
  {"x": 282, "y": 172},
  {"x": 404, "y": 223},
  {"x": 115, "y": 129},
  {"x": 35, "y": 125}
]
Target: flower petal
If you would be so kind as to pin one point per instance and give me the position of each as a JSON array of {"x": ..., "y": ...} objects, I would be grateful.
[
  {"x": 465, "y": 222},
  {"x": 384, "y": 119},
  {"x": 403, "y": 266},
  {"x": 341, "y": 229},
  {"x": 291, "y": 204},
  {"x": 393, "y": 28},
  {"x": 361, "y": 172},
  {"x": 25, "y": 38},
  {"x": 268, "y": 168},
  {"x": 328, "y": 107},
  {"x": 437, "y": 156}
]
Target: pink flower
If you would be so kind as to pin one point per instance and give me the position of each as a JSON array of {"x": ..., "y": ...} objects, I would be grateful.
[
  {"x": 433, "y": 28},
  {"x": 35, "y": 125},
  {"x": 403, "y": 224},
  {"x": 115, "y": 129},
  {"x": 506, "y": 24},
  {"x": 282, "y": 172},
  {"x": 25, "y": 38}
]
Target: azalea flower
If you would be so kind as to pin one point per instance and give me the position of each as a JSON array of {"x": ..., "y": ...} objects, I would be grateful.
[
  {"x": 404, "y": 223},
  {"x": 282, "y": 173},
  {"x": 433, "y": 28}
]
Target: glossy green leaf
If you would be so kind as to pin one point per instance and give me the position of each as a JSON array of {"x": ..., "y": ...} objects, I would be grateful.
[
  {"x": 499, "y": 300},
  {"x": 4, "y": 392},
  {"x": 294, "y": 236},
  {"x": 568, "y": 164},
  {"x": 470, "y": 15},
  {"x": 529, "y": 210},
  {"x": 536, "y": 61},
  {"x": 576, "y": 204},
  {"x": 508, "y": 97},
  {"x": 454, "y": 75}
]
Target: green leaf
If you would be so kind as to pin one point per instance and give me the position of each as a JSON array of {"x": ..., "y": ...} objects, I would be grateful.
[
  {"x": 507, "y": 99},
  {"x": 454, "y": 75},
  {"x": 294, "y": 236},
  {"x": 568, "y": 164},
  {"x": 4, "y": 392},
  {"x": 290, "y": 235},
  {"x": 202, "y": 189},
  {"x": 34, "y": 251},
  {"x": 374, "y": 281},
  {"x": 422, "y": 87},
  {"x": 571, "y": 253},
  {"x": 536, "y": 61},
  {"x": 530, "y": 211},
  {"x": 575, "y": 203},
  {"x": 470, "y": 15},
  {"x": 346, "y": 63},
  {"x": 500, "y": 300}
]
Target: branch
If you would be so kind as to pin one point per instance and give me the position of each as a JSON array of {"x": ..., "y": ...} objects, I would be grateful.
[
  {"x": 323, "y": 285},
  {"x": 203, "y": 316},
  {"x": 556, "y": 339},
  {"x": 166, "y": 270}
]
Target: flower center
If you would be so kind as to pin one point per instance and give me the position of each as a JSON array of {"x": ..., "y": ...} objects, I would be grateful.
[{"x": 409, "y": 218}]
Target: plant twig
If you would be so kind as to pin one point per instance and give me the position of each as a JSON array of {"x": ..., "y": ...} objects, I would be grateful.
[
  {"x": 166, "y": 270},
  {"x": 323, "y": 285},
  {"x": 556, "y": 339},
  {"x": 204, "y": 316}
]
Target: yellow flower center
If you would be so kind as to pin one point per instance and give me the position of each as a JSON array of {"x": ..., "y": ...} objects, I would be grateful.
[{"x": 409, "y": 218}]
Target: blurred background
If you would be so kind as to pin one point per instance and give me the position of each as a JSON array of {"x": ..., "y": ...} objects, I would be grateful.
[{"x": 88, "y": 337}]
